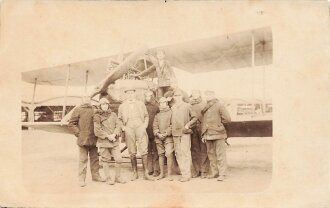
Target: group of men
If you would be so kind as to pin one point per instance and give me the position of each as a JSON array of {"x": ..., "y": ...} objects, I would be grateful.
[{"x": 188, "y": 135}]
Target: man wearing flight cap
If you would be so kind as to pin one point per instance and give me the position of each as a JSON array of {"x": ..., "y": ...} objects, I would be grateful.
[
  {"x": 81, "y": 123},
  {"x": 214, "y": 135},
  {"x": 183, "y": 117},
  {"x": 107, "y": 129},
  {"x": 163, "y": 138},
  {"x": 134, "y": 119}
]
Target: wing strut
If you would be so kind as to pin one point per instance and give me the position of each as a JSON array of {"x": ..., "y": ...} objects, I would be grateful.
[
  {"x": 252, "y": 63},
  {"x": 66, "y": 90},
  {"x": 86, "y": 81},
  {"x": 31, "y": 111}
]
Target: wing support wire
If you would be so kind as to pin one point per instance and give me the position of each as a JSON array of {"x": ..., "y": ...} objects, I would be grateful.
[{"x": 66, "y": 90}]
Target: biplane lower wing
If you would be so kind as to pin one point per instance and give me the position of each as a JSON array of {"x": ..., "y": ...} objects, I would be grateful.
[
  {"x": 262, "y": 128},
  {"x": 56, "y": 127}
]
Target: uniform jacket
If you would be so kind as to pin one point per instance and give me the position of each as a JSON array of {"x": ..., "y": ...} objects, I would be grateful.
[
  {"x": 214, "y": 115},
  {"x": 182, "y": 114},
  {"x": 82, "y": 125},
  {"x": 198, "y": 105},
  {"x": 165, "y": 74},
  {"x": 123, "y": 111},
  {"x": 152, "y": 109},
  {"x": 162, "y": 122},
  {"x": 105, "y": 124}
]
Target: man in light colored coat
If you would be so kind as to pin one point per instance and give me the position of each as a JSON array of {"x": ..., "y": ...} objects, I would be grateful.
[
  {"x": 134, "y": 119},
  {"x": 183, "y": 117}
]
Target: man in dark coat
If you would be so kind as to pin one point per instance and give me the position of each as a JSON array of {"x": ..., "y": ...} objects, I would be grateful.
[
  {"x": 214, "y": 135},
  {"x": 199, "y": 157},
  {"x": 153, "y": 109},
  {"x": 82, "y": 125}
]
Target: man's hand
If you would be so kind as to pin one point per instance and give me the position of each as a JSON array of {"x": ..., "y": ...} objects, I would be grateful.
[
  {"x": 112, "y": 137},
  {"x": 123, "y": 128},
  {"x": 187, "y": 126},
  {"x": 203, "y": 139},
  {"x": 161, "y": 136}
]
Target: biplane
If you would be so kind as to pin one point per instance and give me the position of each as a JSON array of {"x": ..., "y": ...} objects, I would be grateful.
[{"x": 112, "y": 74}]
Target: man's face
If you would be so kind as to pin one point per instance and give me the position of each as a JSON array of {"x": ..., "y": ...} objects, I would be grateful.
[
  {"x": 178, "y": 98},
  {"x": 86, "y": 100},
  {"x": 160, "y": 55},
  {"x": 148, "y": 98},
  {"x": 104, "y": 106},
  {"x": 209, "y": 96},
  {"x": 163, "y": 104},
  {"x": 195, "y": 94},
  {"x": 130, "y": 95}
]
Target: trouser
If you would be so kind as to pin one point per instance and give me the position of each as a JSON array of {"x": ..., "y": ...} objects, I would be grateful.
[
  {"x": 136, "y": 137},
  {"x": 153, "y": 160},
  {"x": 216, "y": 151},
  {"x": 200, "y": 161},
  {"x": 107, "y": 152},
  {"x": 84, "y": 151},
  {"x": 182, "y": 145}
]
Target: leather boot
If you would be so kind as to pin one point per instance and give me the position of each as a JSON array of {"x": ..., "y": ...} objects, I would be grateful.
[
  {"x": 170, "y": 159},
  {"x": 161, "y": 167},
  {"x": 145, "y": 170},
  {"x": 106, "y": 169},
  {"x": 118, "y": 177},
  {"x": 134, "y": 167}
]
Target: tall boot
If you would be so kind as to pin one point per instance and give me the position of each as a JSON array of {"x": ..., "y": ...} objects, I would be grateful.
[
  {"x": 145, "y": 169},
  {"x": 170, "y": 160},
  {"x": 106, "y": 169},
  {"x": 134, "y": 167},
  {"x": 118, "y": 177},
  {"x": 161, "y": 167}
]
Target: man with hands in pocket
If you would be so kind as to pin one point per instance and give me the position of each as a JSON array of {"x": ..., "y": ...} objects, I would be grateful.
[
  {"x": 134, "y": 119},
  {"x": 82, "y": 125}
]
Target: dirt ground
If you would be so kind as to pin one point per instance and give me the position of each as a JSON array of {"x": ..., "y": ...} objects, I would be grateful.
[{"x": 50, "y": 165}]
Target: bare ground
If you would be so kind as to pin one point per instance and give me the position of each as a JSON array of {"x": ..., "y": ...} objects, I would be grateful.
[{"x": 50, "y": 163}]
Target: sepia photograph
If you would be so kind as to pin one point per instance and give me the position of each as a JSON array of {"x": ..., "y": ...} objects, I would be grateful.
[{"x": 162, "y": 101}]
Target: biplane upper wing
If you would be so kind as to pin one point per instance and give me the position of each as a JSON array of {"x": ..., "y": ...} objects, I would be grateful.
[
  {"x": 231, "y": 51},
  {"x": 95, "y": 69}
]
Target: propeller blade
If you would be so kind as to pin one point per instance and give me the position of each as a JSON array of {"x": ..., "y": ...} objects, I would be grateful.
[{"x": 119, "y": 71}]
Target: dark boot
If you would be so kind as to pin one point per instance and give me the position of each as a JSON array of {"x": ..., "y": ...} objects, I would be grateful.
[
  {"x": 118, "y": 177},
  {"x": 170, "y": 159},
  {"x": 98, "y": 178},
  {"x": 161, "y": 167},
  {"x": 145, "y": 170},
  {"x": 134, "y": 167}
]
